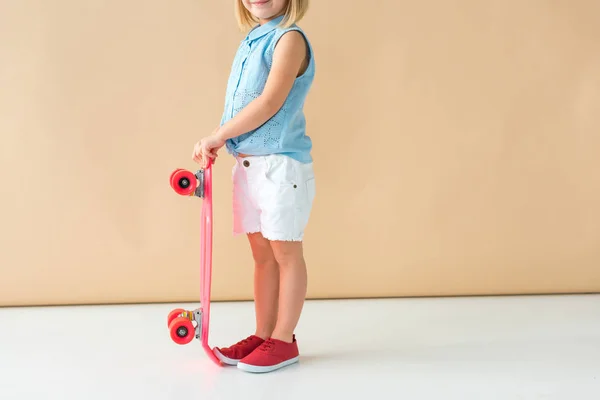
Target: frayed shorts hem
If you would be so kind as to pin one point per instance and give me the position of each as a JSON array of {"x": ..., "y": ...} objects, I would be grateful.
[{"x": 273, "y": 237}]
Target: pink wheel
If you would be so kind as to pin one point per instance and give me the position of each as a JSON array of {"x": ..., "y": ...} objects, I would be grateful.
[
  {"x": 174, "y": 314},
  {"x": 182, "y": 330},
  {"x": 171, "y": 177},
  {"x": 184, "y": 182}
]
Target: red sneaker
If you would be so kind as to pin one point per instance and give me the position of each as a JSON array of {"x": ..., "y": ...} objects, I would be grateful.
[
  {"x": 231, "y": 355},
  {"x": 271, "y": 355}
]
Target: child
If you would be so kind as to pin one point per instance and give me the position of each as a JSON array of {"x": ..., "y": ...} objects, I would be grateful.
[{"x": 263, "y": 127}]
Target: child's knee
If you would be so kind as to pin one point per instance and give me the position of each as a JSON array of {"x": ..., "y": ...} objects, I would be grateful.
[{"x": 287, "y": 253}]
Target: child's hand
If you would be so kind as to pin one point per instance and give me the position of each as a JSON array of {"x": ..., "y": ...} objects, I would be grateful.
[{"x": 207, "y": 149}]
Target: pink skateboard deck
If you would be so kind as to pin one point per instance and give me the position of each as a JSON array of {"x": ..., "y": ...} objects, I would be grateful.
[{"x": 185, "y": 326}]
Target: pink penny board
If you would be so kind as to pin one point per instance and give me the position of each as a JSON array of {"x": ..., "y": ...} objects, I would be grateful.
[{"x": 181, "y": 322}]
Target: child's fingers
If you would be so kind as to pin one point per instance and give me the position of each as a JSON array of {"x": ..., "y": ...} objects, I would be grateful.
[
  {"x": 197, "y": 158},
  {"x": 197, "y": 154},
  {"x": 208, "y": 153}
]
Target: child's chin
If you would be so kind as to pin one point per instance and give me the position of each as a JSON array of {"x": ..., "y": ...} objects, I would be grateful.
[{"x": 263, "y": 15}]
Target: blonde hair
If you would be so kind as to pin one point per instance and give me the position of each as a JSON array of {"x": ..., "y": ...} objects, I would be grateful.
[{"x": 294, "y": 12}]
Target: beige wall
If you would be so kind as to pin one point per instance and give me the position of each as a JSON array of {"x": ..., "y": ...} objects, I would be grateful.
[{"x": 466, "y": 133}]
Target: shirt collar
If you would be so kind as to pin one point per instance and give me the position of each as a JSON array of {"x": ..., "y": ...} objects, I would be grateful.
[{"x": 261, "y": 30}]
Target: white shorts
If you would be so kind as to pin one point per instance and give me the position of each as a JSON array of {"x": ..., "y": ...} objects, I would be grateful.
[{"x": 273, "y": 195}]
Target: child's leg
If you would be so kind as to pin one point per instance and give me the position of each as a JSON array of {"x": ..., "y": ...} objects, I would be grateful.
[
  {"x": 284, "y": 194},
  {"x": 293, "y": 285},
  {"x": 266, "y": 285}
]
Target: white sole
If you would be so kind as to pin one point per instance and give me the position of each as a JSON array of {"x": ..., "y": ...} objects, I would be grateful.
[
  {"x": 258, "y": 370},
  {"x": 225, "y": 359}
]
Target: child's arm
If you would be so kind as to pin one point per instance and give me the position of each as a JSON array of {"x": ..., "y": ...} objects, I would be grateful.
[{"x": 288, "y": 57}]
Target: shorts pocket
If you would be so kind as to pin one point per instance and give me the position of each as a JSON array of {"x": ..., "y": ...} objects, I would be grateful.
[
  {"x": 280, "y": 171},
  {"x": 304, "y": 199},
  {"x": 310, "y": 190}
]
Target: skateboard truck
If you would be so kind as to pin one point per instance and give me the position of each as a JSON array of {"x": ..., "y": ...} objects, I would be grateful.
[
  {"x": 181, "y": 325},
  {"x": 199, "y": 192}
]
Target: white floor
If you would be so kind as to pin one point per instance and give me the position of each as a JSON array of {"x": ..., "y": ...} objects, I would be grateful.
[{"x": 463, "y": 348}]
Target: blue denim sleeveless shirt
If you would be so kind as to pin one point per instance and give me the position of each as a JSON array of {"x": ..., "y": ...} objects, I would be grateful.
[{"x": 285, "y": 132}]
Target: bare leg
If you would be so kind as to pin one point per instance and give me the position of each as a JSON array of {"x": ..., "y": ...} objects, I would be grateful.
[
  {"x": 266, "y": 285},
  {"x": 293, "y": 283}
]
